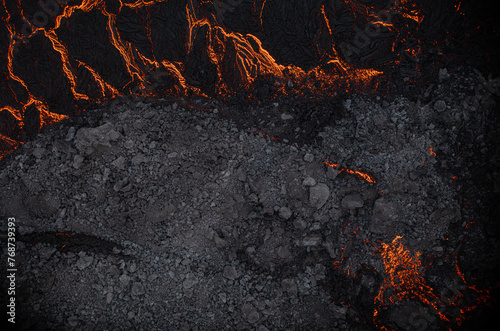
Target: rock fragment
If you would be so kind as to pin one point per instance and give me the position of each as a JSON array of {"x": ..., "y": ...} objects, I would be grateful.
[
  {"x": 84, "y": 261},
  {"x": 440, "y": 105},
  {"x": 289, "y": 286},
  {"x": 309, "y": 181},
  {"x": 352, "y": 201},
  {"x": 190, "y": 281},
  {"x": 230, "y": 273},
  {"x": 39, "y": 152},
  {"x": 88, "y": 140},
  {"x": 309, "y": 157},
  {"x": 385, "y": 214},
  {"x": 443, "y": 75},
  {"x": 318, "y": 195},
  {"x": 250, "y": 313},
  {"x": 138, "y": 289},
  {"x": 77, "y": 161},
  {"x": 285, "y": 212}
]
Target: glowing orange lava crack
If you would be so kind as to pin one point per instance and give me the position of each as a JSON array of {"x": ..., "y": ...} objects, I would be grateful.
[
  {"x": 358, "y": 173},
  {"x": 404, "y": 279}
]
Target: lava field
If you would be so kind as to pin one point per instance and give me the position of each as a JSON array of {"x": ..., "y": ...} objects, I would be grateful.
[{"x": 249, "y": 164}]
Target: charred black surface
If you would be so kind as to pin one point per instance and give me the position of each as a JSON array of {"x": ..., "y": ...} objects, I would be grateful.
[
  {"x": 303, "y": 34},
  {"x": 438, "y": 88}
]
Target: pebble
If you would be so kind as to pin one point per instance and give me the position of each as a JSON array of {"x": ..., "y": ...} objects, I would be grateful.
[
  {"x": 314, "y": 240},
  {"x": 73, "y": 321},
  {"x": 190, "y": 281},
  {"x": 125, "y": 280},
  {"x": 84, "y": 261},
  {"x": 77, "y": 161},
  {"x": 440, "y": 105},
  {"x": 250, "y": 313},
  {"x": 308, "y": 157},
  {"x": 138, "y": 289},
  {"x": 175, "y": 238},
  {"x": 331, "y": 173},
  {"x": 39, "y": 152},
  {"x": 309, "y": 181},
  {"x": 318, "y": 195},
  {"x": 71, "y": 134},
  {"x": 290, "y": 286},
  {"x": 352, "y": 201},
  {"x": 443, "y": 75},
  {"x": 285, "y": 213},
  {"x": 119, "y": 162},
  {"x": 385, "y": 214},
  {"x": 299, "y": 224},
  {"x": 230, "y": 273}
]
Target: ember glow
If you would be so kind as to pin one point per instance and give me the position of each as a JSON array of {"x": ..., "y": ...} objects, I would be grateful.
[
  {"x": 190, "y": 48},
  {"x": 404, "y": 280},
  {"x": 358, "y": 173},
  {"x": 229, "y": 61}
]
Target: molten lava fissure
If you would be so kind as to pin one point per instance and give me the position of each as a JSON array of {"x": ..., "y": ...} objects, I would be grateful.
[
  {"x": 404, "y": 280},
  {"x": 92, "y": 50},
  {"x": 358, "y": 173},
  {"x": 296, "y": 60}
]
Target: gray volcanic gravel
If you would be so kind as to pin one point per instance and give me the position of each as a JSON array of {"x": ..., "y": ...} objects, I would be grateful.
[{"x": 158, "y": 216}]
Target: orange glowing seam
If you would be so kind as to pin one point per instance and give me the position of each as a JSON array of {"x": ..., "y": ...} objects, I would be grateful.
[
  {"x": 413, "y": 52},
  {"x": 14, "y": 112},
  {"x": 383, "y": 23},
  {"x": 338, "y": 264},
  {"x": 322, "y": 10},
  {"x": 469, "y": 224},
  {"x": 140, "y": 3},
  {"x": 61, "y": 49},
  {"x": 13, "y": 145},
  {"x": 414, "y": 14},
  {"x": 64, "y": 234},
  {"x": 404, "y": 280},
  {"x": 261, "y": 10},
  {"x": 7, "y": 139},
  {"x": 431, "y": 149},
  {"x": 46, "y": 117},
  {"x": 103, "y": 84},
  {"x": 360, "y": 174},
  {"x": 86, "y": 6},
  {"x": 10, "y": 58},
  {"x": 145, "y": 60},
  {"x": 251, "y": 60},
  {"x": 126, "y": 53}
]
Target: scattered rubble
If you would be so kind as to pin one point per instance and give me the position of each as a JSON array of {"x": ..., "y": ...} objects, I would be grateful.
[{"x": 189, "y": 221}]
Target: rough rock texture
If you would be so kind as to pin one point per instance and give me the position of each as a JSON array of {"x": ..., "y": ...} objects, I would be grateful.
[{"x": 156, "y": 215}]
